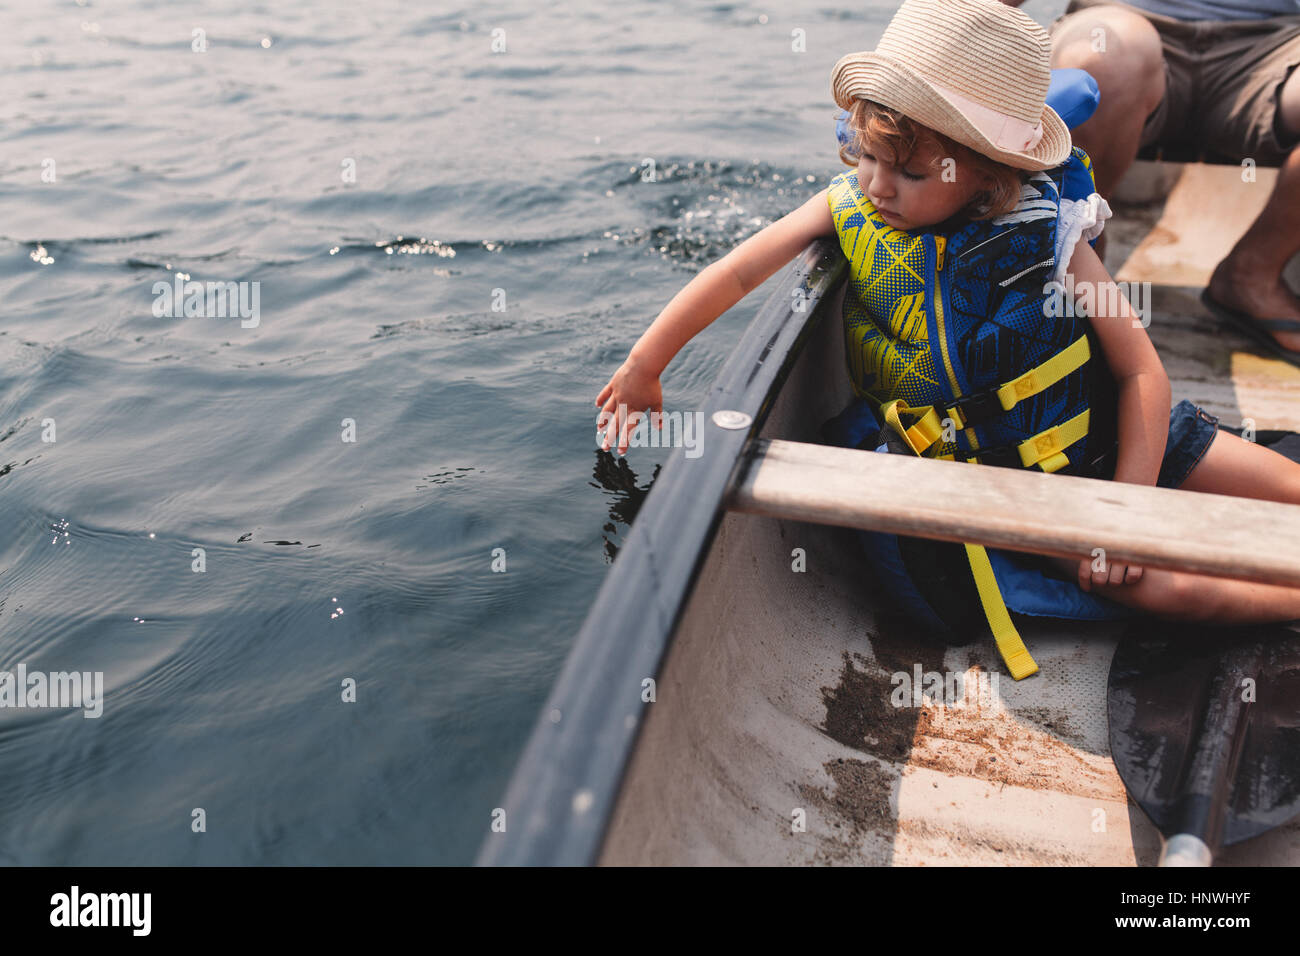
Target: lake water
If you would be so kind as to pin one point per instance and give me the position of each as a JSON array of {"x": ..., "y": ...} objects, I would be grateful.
[{"x": 456, "y": 220}]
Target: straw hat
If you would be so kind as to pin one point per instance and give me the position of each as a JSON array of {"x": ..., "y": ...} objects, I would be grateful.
[{"x": 975, "y": 70}]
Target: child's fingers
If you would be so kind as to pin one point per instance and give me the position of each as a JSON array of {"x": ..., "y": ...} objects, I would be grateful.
[
  {"x": 629, "y": 423},
  {"x": 614, "y": 402},
  {"x": 616, "y": 425},
  {"x": 604, "y": 393},
  {"x": 606, "y": 425},
  {"x": 611, "y": 417},
  {"x": 1116, "y": 573},
  {"x": 608, "y": 411},
  {"x": 617, "y": 438}
]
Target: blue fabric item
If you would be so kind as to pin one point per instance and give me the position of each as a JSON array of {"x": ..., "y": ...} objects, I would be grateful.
[
  {"x": 854, "y": 425},
  {"x": 1191, "y": 429},
  {"x": 1078, "y": 182},
  {"x": 842, "y": 129},
  {"x": 857, "y": 427},
  {"x": 883, "y": 553},
  {"x": 1028, "y": 589},
  {"x": 1072, "y": 93}
]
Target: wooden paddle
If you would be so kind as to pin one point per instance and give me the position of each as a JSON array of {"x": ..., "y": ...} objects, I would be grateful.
[{"x": 1205, "y": 732}]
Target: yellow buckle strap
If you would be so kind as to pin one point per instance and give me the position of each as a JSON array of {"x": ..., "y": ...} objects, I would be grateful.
[
  {"x": 1046, "y": 446},
  {"x": 926, "y": 431},
  {"x": 1037, "y": 379},
  {"x": 1010, "y": 646},
  {"x": 1046, "y": 375},
  {"x": 920, "y": 436}
]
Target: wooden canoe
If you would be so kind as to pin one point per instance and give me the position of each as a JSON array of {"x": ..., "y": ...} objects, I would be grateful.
[{"x": 771, "y": 737}]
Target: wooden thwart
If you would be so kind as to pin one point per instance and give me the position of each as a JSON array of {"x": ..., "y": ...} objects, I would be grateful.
[{"x": 1241, "y": 538}]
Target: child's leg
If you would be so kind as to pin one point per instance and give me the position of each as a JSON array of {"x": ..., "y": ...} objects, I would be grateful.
[
  {"x": 1230, "y": 466},
  {"x": 1183, "y": 596},
  {"x": 1245, "y": 469}
]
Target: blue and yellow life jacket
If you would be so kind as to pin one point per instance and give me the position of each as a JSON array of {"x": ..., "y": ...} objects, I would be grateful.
[
  {"x": 955, "y": 325},
  {"x": 950, "y": 339}
]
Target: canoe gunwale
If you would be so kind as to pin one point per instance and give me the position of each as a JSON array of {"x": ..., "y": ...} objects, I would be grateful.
[{"x": 565, "y": 786}]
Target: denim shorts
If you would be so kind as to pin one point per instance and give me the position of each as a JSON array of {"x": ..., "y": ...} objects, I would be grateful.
[{"x": 1191, "y": 429}]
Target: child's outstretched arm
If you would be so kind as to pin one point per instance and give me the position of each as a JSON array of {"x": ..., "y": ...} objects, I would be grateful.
[
  {"x": 1144, "y": 393},
  {"x": 720, "y": 285}
]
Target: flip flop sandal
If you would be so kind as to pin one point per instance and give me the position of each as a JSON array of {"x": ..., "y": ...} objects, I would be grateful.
[{"x": 1255, "y": 328}]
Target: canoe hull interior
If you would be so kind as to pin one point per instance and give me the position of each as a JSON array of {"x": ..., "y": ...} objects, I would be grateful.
[{"x": 774, "y": 740}]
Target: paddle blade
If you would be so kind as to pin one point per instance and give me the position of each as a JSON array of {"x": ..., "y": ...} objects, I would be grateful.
[{"x": 1205, "y": 727}]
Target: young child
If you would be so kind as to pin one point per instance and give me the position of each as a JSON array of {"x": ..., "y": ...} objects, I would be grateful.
[{"x": 968, "y": 201}]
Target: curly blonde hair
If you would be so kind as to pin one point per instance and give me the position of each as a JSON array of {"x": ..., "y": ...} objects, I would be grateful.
[{"x": 878, "y": 128}]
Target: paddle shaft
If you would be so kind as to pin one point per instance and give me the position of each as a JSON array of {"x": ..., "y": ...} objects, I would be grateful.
[{"x": 1215, "y": 756}]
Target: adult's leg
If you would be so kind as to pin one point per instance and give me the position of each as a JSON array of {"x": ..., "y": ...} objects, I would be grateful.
[
  {"x": 1122, "y": 51},
  {"x": 1250, "y": 278},
  {"x": 1250, "y": 110}
]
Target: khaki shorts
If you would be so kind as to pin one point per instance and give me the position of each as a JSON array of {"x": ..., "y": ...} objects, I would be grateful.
[{"x": 1222, "y": 82}]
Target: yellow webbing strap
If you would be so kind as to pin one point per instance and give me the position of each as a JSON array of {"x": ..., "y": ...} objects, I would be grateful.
[
  {"x": 1046, "y": 375},
  {"x": 1045, "y": 449},
  {"x": 1010, "y": 646},
  {"x": 1038, "y": 378},
  {"x": 1055, "y": 463},
  {"x": 920, "y": 436}
]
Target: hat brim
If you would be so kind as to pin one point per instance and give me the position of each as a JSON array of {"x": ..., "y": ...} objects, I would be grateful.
[{"x": 870, "y": 76}]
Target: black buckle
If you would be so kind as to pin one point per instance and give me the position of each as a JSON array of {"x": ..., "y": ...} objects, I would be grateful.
[
  {"x": 1008, "y": 456},
  {"x": 1003, "y": 456},
  {"x": 978, "y": 407}
]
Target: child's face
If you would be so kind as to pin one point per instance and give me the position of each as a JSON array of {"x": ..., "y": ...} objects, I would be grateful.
[{"x": 918, "y": 193}]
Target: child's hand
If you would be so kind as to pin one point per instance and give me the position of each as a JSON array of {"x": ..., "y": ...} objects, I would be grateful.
[
  {"x": 1114, "y": 575},
  {"x": 624, "y": 400}
]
